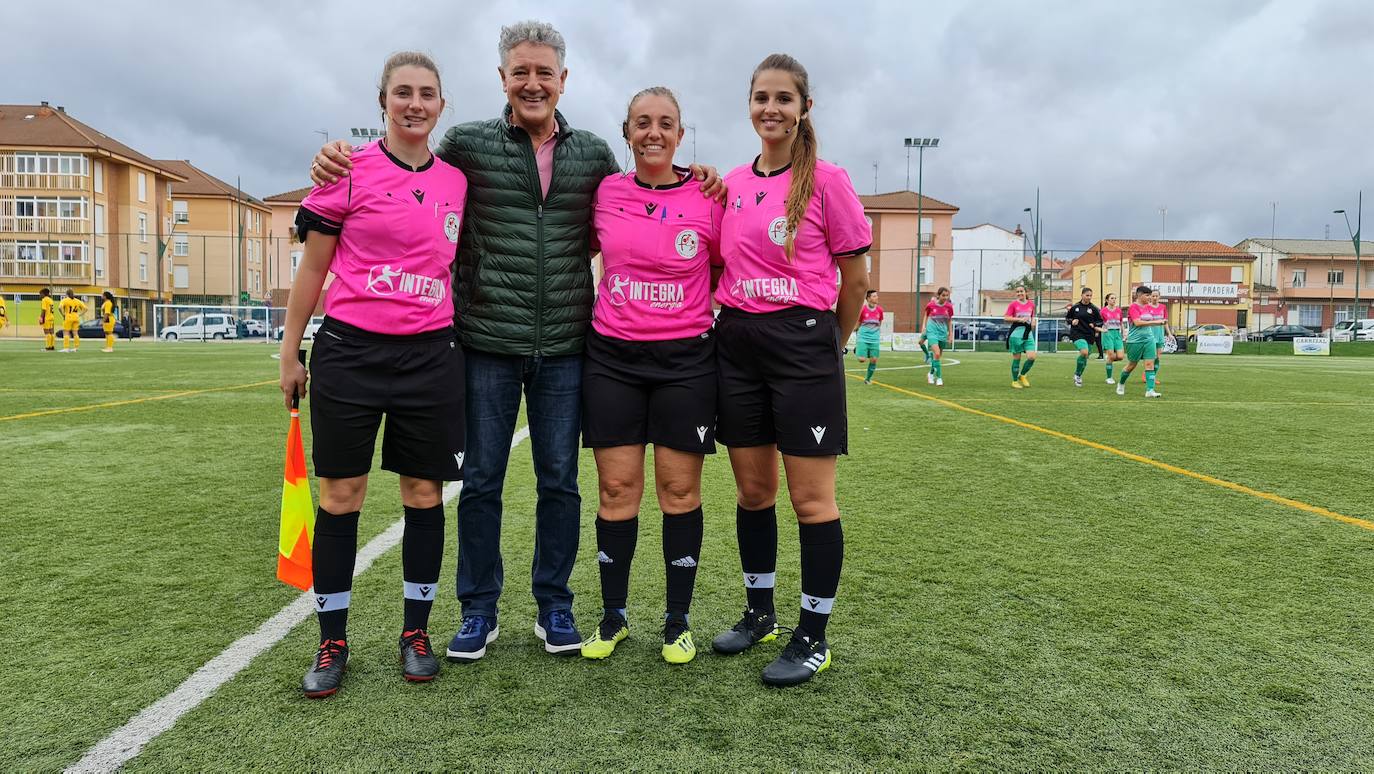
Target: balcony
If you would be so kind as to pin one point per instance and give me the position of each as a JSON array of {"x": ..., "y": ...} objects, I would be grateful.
[
  {"x": 22, "y": 269},
  {"x": 45, "y": 181},
  {"x": 43, "y": 225}
]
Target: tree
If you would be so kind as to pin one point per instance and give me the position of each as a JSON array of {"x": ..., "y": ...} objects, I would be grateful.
[{"x": 1032, "y": 284}]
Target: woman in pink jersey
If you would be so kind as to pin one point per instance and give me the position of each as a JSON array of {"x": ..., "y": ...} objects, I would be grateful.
[
  {"x": 1112, "y": 342},
  {"x": 649, "y": 369},
  {"x": 388, "y": 233},
  {"x": 1021, "y": 338},
  {"x": 939, "y": 317},
  {"x": 791, "y": 221}
]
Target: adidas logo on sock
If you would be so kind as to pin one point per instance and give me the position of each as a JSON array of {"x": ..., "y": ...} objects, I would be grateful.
[
  {"x": 601, "y": 557},
  {"x": 685, "y": 561}
]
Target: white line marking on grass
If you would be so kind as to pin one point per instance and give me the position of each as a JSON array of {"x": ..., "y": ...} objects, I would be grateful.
[
  {"x": 951, "y": 361},
  {"x": 129, "y": 740}
]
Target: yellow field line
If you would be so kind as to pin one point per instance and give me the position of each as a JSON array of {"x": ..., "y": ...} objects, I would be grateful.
[
  {"x": 1203, "y": 477},
  {"x": 45, "y": 390},
  {"x": 132, "y": 401}
]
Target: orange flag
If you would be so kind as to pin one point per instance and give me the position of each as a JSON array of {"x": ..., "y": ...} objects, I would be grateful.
[{"x": 297, "y": 513}]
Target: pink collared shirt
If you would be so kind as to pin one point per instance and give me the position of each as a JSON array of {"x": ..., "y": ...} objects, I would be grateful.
[{"x": 543, "y": 159}]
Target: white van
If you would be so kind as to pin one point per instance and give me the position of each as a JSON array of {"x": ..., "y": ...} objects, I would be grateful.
[
  {"x": 1354, "y": 330},
  {"x": 213, "y": 325}
]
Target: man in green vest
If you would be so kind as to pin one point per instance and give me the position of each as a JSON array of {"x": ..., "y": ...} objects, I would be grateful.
[{"x": 523, "y": 306}]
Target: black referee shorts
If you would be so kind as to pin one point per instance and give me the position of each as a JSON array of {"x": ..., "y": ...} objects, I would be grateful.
[
  {"x": 642, "y": 392},
  {"x": 781, "y": 381},
  {"x": 416, "y": 381}
]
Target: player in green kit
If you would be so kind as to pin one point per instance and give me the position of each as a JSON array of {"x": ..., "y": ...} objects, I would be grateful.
[
  {"x": 1112, "y": 342},
  {"x": 1021, "y": 338},
  {"x": 870, "y": 334},
  {"x": 939, "y": 312},
  {"x": 1162, "y": 332},
  {"x": 1140, "y": 342}
]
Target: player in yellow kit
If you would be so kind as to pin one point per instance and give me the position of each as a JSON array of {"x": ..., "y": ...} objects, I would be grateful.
[
  {"x": 47, "y": 319},
  {"x": 107, "y": 320},
  {"x": 71, "y": 308},
  {"x": 4, "y": 315}
]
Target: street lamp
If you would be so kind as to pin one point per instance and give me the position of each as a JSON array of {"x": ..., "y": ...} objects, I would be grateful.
[
  {"x": 1035, "y": 238},
  {"x": 1355, "y": 238},
  {"x": 920, "y": 144}
]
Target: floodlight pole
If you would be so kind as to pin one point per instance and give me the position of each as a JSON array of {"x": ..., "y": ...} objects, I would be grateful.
[
  {"x": 920, "y": 143},
  {"x": 1354, "y": 238}
]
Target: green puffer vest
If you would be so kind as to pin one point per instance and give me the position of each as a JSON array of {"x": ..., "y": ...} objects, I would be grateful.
[{"x": 524, "y": 271}]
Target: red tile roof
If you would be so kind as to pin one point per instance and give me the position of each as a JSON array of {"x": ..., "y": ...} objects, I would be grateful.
[
  {"x": 1181, "y": 247},
  {"x": 44, "y": 126},
  {"x": 290, "y": 197},
  {"x": 200, "y": 183},
  {"x": 904, "y": 200}
]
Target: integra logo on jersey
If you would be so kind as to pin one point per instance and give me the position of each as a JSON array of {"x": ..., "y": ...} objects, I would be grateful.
[
  {"x": 657, "y": 295},
  {"x": 384, "y": 280},
  {"x": 778, "y": 290}
]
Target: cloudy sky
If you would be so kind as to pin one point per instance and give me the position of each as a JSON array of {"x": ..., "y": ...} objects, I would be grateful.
[{"x": 1213, "y": 109}]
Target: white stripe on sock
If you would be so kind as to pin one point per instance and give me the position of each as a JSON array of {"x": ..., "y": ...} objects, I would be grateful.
[
  {"x": 759, "y": 580},
  {"x": 421, "y": 591},
  {"x": 817, "y": 604},
  {"x": 339, "y": 600}
]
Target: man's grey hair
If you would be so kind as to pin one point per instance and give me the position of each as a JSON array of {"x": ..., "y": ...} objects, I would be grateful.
[{"x": 537, "y": 32}]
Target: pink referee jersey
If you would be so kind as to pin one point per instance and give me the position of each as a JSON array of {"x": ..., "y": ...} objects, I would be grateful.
[
  {"x": 1020, "y": 309},
  {"x": 1111, "y": 318},
  {"x": 398, "y": 236},
  {"x": 657, "y": 248},
  {"x": 758, "y": 275}
]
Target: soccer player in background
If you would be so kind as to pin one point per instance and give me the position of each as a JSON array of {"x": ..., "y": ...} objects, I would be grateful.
[
  {"x": 870, "y": 334},
  {"x": 1111, "y": 340},
  {"x": 1161, "y": 332},
  {"x": 793, "y": 221},
  {"x": 1085, "y": 322},
  {"x": 939, "y": 312},
  {"x": 1140, "y": 342},
  {"x": 72, "y": 308},
  {"x": 107, "y": 320},
  {"x": 387, "y": 347},
  {"x": 1021, "y": 338},
  {"x": 47, "y": 319},
  {"x": 4, "y": 315},
  {"x": 649, "y": 369}
]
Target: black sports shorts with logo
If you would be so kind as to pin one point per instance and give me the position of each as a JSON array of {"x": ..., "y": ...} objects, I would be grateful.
[
  {"x": 416, "y": 381},
  {"x": 642, "y": 392},
  {"x": 781, "y": 380}
]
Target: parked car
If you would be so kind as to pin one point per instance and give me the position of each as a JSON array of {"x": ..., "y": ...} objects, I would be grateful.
[
  {"x": 1353, "y": 330},
  {"x": 252, "y": 328},
  {"x": 1284, "y": 333},
  {"x": 93, "y": 329},
  {"x": 310, "y": 329},
  {"x": 1053, "y": 330},
  {"x": 203, "y": 326},
  {"x": 1211, "y": 329}
]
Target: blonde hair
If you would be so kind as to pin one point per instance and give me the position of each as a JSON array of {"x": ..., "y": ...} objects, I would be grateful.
[
  {"x": 804, "y": 146},
  {"x": 652, "y": 91},
  {"x": 405, "y": 59}
]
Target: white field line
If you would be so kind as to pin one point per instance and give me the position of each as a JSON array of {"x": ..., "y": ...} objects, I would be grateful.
[
  {"x": 126, "y": 742},
  {"x": 951, "y": 361}
]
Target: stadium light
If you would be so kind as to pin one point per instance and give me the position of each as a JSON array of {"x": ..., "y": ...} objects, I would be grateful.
[
  {"x": 1355, "y": 238},
  {"x": 920, "y": 144},
  {"x": 1036, "y": 281}
]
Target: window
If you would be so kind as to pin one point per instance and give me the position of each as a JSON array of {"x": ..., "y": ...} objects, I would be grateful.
[
  {"x": 1192, "y": 317},
  {"x": 927, "y": 232},
  {"x": 1111, "y": 276},
  {"x": 1237, "y": 273},
  {"x": 925, "y": 271},
  {"x": 169, "y": 190},
  {"x": 1309, "y": 315},
  {"x": 1192, "y": 274},
  {"x": 143, "y": 186},
  {"x": 181, "y": 276},
  {"x": 1346, "y": 312},
  {"x": 181, "y": 245},
  {"x": 1300, "y": 278},
  {"x": 295, "y": 262},
  {"x": 1147, "y": 275},
  {"x": 1335, "y": 277},
  {"x": 100, "y": 219},
  {"x": 100, "y": 177},
  {"x": 100, "y": 263},
  {"x": 143, "y": 227},
  {"x": 868, "y": 263},
  {"x": 179, "y": 212},
  {"x": 1083, "y": 278},
  {"x": 142, "y": 267}
]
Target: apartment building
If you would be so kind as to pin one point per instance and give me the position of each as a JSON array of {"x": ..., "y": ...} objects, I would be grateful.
[
  {"x": 285, "y": 250},
  {"x": 219, "y": 248},
  {"x": 1315, "y": 282},
  {"x": 892, "y": 270},
  {"x": 79, "y": 210}
]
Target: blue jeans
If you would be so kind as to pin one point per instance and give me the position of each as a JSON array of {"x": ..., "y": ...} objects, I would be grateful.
[{"x": 553, "y": 395}]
